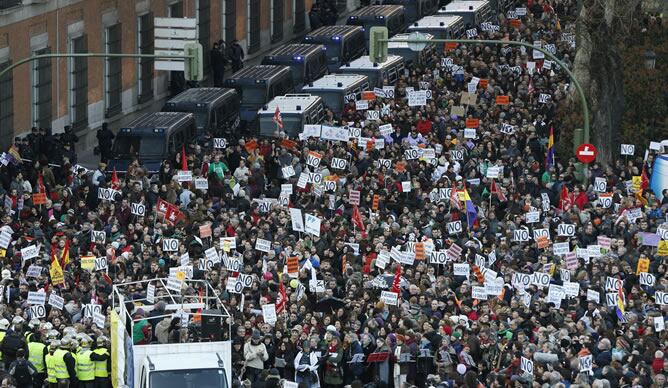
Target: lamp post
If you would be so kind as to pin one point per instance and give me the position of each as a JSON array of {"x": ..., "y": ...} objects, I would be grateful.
[{"x": 650, "y": 59}]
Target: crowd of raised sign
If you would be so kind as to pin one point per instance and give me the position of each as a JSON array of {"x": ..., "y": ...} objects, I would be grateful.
[{"x": 439, "y": 241}]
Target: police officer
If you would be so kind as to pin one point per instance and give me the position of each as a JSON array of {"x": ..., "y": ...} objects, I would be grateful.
[
  {"x": 37, "y": 351},
  {"x": 4, "y": 325},
  {"x": 50, "y": 361},
  {"x": 65, "y": 364},
  {"x": 33, "y": 325},
  {"x": 102, "y": 362},
  {"x": 85, "y": 366}
]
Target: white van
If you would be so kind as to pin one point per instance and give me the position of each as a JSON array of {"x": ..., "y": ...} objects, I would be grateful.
[
  {"x": 336, "y": 90},
  {"x": 440, "y": 26},
  {"x": 385, "y": 73},
  {"x": 296, "y": 110}
]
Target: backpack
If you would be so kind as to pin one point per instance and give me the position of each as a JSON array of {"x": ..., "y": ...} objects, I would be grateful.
[
  {"x": 21, "y": 373},
  {"x": 11, "y": 343}
]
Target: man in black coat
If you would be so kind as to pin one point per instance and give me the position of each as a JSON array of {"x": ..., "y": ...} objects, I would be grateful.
[{"x": 105, "y": 139}]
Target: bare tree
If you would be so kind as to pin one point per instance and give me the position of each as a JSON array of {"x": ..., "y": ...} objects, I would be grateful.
[{"x": 602, "y": 26}]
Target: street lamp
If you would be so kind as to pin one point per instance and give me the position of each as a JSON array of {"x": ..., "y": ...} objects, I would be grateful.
[{"x": 650, "y": 59}]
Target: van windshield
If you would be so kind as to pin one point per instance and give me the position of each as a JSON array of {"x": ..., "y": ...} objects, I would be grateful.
[
  {"x": 254, "y": 95},
  {"x": 201, "y": 119},
  {"x": 129, "y": 145},
  {"x": 334, "y": 50},
  {"x": 190, "y": 378}
]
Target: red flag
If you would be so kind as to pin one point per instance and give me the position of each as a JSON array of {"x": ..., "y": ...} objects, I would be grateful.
[
  {"x": 357, "y": 219},
  {"x": 172, "y": 215},
  {"x": 454, "y": 198},
  {"x": 65, "y": 257},
  {"x": 115, "y": 182},
  {"x": 566, "y": 199},
  {"x": 184, "y": 160},
  {"x": 644, "y": 181},
  {"x": 281, "y": 299},
  {"x": 277, "y": 118},
  {"x": 162, "y": 206},
  {"x": 530, "y": 89},
  {"x": 495, "y": 190},
  {"x": 396, "y": 283},
  {"x": 40, "y": 183},
  {"x": 107, "y": 279}
]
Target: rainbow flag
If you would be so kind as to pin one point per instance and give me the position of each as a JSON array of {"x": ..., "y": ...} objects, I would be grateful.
[
  {"x": 471, "y": 212},
  {"x": 549, "y": 162},
  {"x": 620, "y": 304}
]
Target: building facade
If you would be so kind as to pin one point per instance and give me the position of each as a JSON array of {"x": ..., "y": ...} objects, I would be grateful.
[{"x": 84, "y": 92}]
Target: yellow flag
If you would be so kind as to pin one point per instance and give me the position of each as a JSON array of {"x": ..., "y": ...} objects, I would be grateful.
[
  {"x": 663, "y": 248},
  {"x": 56, "y": 272},
  {"x": 643, "y": 266}
]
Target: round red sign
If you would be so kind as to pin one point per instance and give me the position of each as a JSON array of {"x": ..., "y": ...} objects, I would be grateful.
[{"x": 586, "y": 153}]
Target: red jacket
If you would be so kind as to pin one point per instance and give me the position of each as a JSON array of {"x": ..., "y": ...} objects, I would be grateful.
[{"x": 424, "y": 127}]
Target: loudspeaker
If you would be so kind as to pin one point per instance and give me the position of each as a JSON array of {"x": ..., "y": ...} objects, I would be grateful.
[{"x": 212, "y": 326}]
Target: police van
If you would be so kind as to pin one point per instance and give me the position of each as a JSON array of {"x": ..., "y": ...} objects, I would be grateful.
[
  {"x": 391, "y": 16},
  {"x": 415, "y": 9},
  {"x": 152, "y": 138},
  {"x": 336, "y": 90},
  {"x": 473, "y": 12},
  {"x": 215, "y": 110},
  {"x": 422, "y": 57},
  {"x": 295, "y": 110},
  {"x": 307, "y": 61},
  {"x": 342, "y": 43},
  {"x": 257, "y": 85},
  {"x": 384, "y": 73},
  {"x": 440, "y": 26}
]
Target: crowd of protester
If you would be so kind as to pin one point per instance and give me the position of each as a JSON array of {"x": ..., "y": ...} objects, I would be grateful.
[{"x": 332, "y": 327}]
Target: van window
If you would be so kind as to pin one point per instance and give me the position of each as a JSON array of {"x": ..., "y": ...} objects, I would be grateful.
[{"x": 143, "y": 377}]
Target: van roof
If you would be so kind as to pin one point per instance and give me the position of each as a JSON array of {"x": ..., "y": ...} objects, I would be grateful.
[
  {"x": 376, "y": 10},
  {"x": 160, "y": 120},
  {"x": 330, "y": 31},
  {"x": 434, "y": 21},
  {"x": 398, "y": 45},
  {"x": 463, "y": 6},
  {"x": 332, "y": 81},
  {"x": 165, "y": 362},
  {"x": 259, "y": 72},
  {"x": 201, "y": 95},
  {"x": 289, "y": 103},
  {"x": 363, "y": 62},
  {"x": 289, "y": 50}
]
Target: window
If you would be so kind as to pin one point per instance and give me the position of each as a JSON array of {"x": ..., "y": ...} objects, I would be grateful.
[
  {"x": 41, "y": 90},
  {"x": 299, "y": 15},
  {"x": 230, "y": 21},
  {"x": 254, "y": 25},
  {"x": 175, "y": 10},
  {"x": 177, "y": 81},
  {"x": 277, "y": 11},
  {"x": 6, "y": 107},
  {"x": 78, "y": 84},
  {"x": 113, "y": 78},
  {"x": 204, "y": 30},
  {"x": 4, "y": 4},
  {"x": 145, "y": 71}
]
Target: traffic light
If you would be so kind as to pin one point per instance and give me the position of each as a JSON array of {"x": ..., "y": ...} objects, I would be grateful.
[
  {"x": 377, "y": 49},
  {"x": 193, "y": 66}
]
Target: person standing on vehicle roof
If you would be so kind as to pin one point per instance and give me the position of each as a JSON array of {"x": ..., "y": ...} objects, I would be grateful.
[
  {"x": 236, "y": 54},
  {"x": 217, "y": 65}
]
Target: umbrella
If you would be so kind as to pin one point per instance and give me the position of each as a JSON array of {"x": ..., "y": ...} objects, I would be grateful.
[{"x": 326, "y": 305}]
